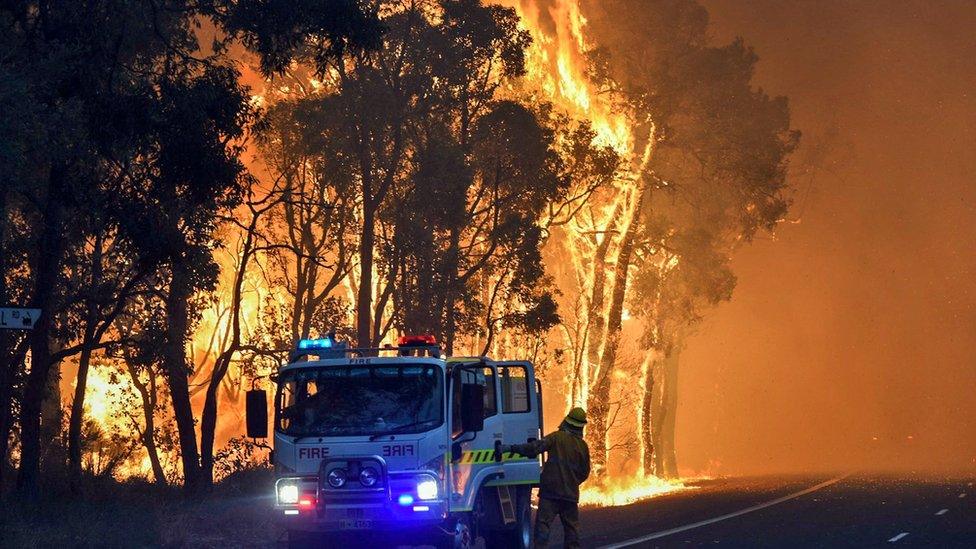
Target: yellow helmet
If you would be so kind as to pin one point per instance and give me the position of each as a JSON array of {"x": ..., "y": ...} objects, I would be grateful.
[{"x": 576, "y": 417}]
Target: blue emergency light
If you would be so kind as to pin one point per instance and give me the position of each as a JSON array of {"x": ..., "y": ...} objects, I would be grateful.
[
  {"x": 324, "y": 347},
  {"x": 315, "y": 344}
]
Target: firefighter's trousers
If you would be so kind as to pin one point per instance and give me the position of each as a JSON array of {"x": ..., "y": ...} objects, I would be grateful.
[{"x": 568, "y": 512}]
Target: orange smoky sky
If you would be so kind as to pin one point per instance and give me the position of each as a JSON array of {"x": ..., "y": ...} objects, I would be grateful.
[{"x": 850, "y": 341}]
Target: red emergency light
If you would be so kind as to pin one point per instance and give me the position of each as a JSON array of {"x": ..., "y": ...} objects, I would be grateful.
[{"x": 416, "y": 340}]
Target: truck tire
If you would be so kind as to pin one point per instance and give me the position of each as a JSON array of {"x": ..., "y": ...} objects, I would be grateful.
[{"x": 518, "y": 535}]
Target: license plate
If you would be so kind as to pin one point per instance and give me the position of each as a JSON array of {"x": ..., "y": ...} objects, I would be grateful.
[{"x": 358, "y": 524}]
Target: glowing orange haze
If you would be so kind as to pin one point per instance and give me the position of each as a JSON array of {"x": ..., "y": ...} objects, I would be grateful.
[{"x": 851, "y": 340}]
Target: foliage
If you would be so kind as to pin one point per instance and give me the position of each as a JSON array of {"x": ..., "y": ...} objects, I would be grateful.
[{"x": 237, "y": 456}]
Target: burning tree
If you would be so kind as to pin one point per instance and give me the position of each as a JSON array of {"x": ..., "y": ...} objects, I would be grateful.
[
  {"x": 518, "y": 180},
  {"x": 705, "y": 170}
]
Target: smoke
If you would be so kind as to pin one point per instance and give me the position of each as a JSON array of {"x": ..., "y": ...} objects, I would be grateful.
[{"x": 850, "y": 341}]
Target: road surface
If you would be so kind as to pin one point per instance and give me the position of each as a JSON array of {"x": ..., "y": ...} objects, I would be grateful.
[
  {"x": 851, "y": 511},
  {"x": 855, "y": 510}
]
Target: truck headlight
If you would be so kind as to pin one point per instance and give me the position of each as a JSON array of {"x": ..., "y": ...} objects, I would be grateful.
[
  {"x": 288, "y": 492},
  {"x": 337, "y": 478},
  {"x": 426, "y": 487},
  {"x": 368, "y": 477}
]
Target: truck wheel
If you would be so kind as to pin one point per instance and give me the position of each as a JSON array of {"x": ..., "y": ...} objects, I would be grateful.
[
  {"x": 518, "y": 535},
  {"x": 462, "y": 538}
]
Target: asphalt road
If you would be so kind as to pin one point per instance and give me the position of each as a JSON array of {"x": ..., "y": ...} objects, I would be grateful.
[{"x": 854, "y": 511}]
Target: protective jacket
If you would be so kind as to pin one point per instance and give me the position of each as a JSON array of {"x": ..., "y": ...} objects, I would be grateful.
[{"x": 567, "y": 463}]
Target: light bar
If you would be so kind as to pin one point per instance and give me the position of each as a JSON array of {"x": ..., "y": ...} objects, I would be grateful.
[
  {"x": 416, "y": 340},
  {"x": 313, "y": 344}
]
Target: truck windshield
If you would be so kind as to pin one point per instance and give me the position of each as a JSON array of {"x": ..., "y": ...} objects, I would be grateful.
[{"x": 360, "y": 400}]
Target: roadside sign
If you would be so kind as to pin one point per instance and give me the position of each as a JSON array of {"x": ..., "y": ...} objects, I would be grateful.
[{"x": 18, "y": 319}]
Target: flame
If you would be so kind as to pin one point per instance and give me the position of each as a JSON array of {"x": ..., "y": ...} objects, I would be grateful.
[
  {"x": 105, "y": 396},
  {"x": 556, "y": 65},
  {"x": 101, "y": 397},
  {"x": 624, "y": 491},
  {"x": 557, "y": 68}
]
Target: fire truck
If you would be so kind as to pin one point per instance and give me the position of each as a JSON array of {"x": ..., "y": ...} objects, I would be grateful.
[{"x": 400, "y": 444}]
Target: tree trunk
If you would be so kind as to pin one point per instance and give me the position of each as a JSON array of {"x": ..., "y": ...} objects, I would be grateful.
[
  {"x": 148, "y": 397},
  {"x": 596, "y": 321},
  {"x": 669, "y": 452},
  {"x": 175, "y": 363},
  {"x": 658, "y": 416},
  {"x": 7, "y": 364},
  {"x": 149, "y": 440},
  {"x": 208, "y": 421},
  {"x": 78, "y": 403},
  {"x": 664, "y": 414},
  {"x": 598, "y": 404},
  {"x": 647, "y": 418},
  {"x": 77, "y": 417},
  {"x": 208, "y": 424},
  {"x": 364, "y": 301},
  {"x": 46, "y": 271},
  {"x": 7, "y": 371}
]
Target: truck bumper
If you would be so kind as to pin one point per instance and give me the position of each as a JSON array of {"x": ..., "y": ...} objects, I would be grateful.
[{"x": 388, "y": 518}]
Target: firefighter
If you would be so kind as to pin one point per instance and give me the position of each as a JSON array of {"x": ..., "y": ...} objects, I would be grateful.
[{"x": 567, "y": 466}]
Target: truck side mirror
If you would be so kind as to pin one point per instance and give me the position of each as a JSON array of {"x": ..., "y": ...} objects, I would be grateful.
[
  {"x": 256, "y": 412},
  {"x": 472, "y": 407}
]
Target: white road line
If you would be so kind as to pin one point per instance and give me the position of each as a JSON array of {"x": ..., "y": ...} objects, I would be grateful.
[
  {"x": 962, "y": 495},
  {"x": 898, "y": 537},
  {"x": 720, "y": 518},
  {"x": 942, "y": 512}
]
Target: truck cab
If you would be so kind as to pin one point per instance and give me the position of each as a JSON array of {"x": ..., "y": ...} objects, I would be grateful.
[{"x": 398, "y": 444}]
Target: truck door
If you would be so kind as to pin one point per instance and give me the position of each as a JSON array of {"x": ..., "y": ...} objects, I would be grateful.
[
  {"x": 521, "y": 413},
  {"x": 472, "y": 453}
]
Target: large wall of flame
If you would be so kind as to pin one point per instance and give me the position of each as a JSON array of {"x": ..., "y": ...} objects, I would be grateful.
[{"x": 851, "y": 339}]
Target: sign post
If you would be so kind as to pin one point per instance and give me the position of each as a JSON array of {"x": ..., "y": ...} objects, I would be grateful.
[{"x": 18, "y": 319}]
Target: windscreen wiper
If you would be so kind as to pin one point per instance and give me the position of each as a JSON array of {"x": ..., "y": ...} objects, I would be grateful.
[{"x": 397, "y": 429}]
